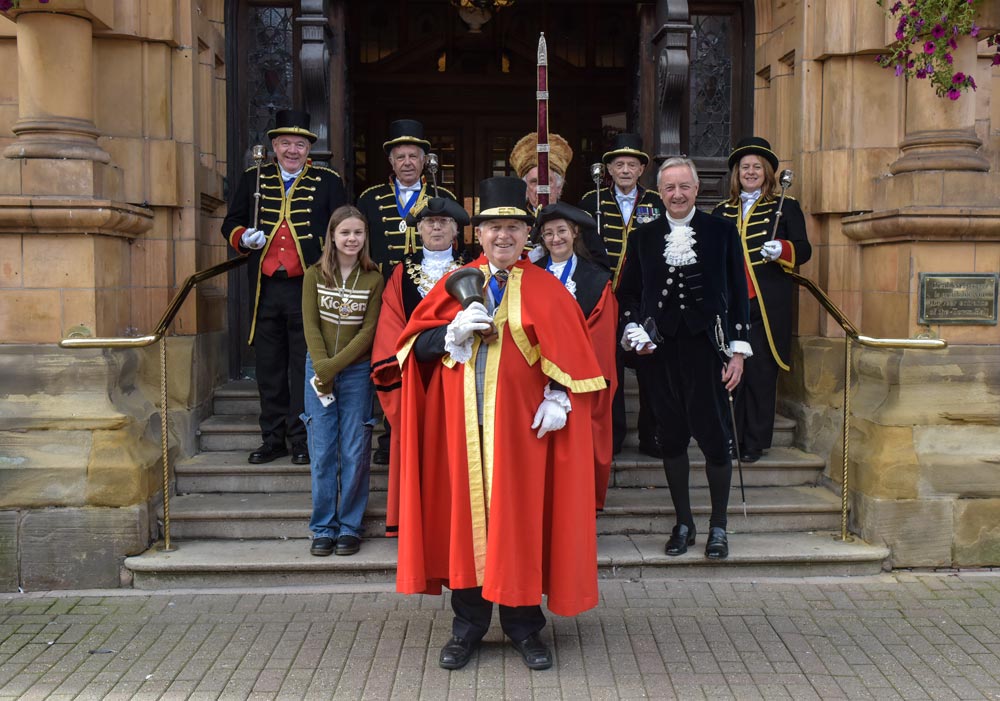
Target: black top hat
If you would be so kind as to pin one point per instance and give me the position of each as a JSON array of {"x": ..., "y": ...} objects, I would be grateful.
[
  {"x": 293, "y": 122},
  {"x": 753, "y": 145},
  {"x": 406, "y": 131},
  {"x": 503, "y": 197},
  {"x": 561, "y": 210},
  {"x": 626, "y": 144},
  {"x": 438, "y": 207}
]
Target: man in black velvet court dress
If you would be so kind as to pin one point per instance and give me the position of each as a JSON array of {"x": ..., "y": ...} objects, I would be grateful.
[{"x": 683, "y": 300}]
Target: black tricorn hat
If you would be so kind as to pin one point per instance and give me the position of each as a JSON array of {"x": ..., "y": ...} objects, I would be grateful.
[
  {"x": 561, "y": 210},
  {"x": 406, "y": 131},
  {"x": 438, "y": 207},
  {"x": 503, "y": 197},
  {"x": 292, "y": 122},
  {"x": 626, "y": 144},
  {"x": 753, "y": 145}
]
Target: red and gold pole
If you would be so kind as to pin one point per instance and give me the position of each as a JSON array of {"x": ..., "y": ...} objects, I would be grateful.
[{"x": 542, "y": 98}]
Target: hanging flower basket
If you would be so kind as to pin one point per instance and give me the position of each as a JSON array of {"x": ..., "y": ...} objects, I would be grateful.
[
  {"x": 14, "y": 4},
  {"x": 927, "y": 32}
]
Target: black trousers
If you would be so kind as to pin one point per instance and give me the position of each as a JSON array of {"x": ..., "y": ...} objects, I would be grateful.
[
  {"x": 473, "y": 614},
  {"x": 280, "y": 347},
  {"x": 757, "y": 392},
  {"x": 646, "y": 423},
  {"x": 688, "y": 396}
]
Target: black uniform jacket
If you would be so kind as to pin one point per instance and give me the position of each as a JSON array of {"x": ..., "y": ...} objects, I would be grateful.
[
  {"x": 306, "y": 206},
  {"x": 614, "y": 232},
  {"x": 388, "y": 243},
  {"x": 590, "y": 279},
  {"x": 774, "y": 289},
  {"x": 714, "y": 286}
]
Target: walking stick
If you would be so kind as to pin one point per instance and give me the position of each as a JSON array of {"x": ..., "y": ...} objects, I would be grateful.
[
  {"x": 739, "y": 459},
  {"x": 258, "y": 158},
  {"x": 785, "y": 180}
]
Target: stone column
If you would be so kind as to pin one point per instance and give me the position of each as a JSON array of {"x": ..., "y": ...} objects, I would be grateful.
[
  {"x": 55, "y": 86},
  {"x": 941, "y": 133}
]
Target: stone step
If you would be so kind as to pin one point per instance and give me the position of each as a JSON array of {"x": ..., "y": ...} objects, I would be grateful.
[
  {"x": 783, "y": 436},
  {"x": 260, "y": 563},
  {"x": 286, "y": 514},
  {"x": 236, "y": 397},
  {"x": 228, "y": 471},
  {"x": 780, "y": 467}
]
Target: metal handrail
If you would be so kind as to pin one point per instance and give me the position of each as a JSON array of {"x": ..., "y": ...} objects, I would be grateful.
[
  {"x": 851, "y": 334},
  {"x": 159, "y": 333}
]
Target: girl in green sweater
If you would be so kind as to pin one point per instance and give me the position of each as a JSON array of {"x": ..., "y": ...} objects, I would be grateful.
[{"x": 341, "y": 296}]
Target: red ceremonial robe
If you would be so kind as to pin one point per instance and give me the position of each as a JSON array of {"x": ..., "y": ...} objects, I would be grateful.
[
  {"x": 503, "y": 510},
  {"x": 603, "y": 326},
  {"x": 386, "y": 377}
]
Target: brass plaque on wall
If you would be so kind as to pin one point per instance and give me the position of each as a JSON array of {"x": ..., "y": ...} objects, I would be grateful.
[{"x": 958, "y": 298}]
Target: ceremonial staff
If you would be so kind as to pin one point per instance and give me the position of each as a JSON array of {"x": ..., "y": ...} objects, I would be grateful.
[
  {"x": 542, "y": 126},
  {"x": 258, "y": 158},
  {"x": 785, "y": 179},
  {"x": 596, "y": 174},
  {"x": 432, "y": 168}
]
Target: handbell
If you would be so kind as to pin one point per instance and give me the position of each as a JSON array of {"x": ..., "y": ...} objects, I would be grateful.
[{"x": 466, "y": 286}]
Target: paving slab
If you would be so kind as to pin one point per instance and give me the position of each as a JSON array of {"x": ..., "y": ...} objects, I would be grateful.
[{"x": 707, "y": 638}]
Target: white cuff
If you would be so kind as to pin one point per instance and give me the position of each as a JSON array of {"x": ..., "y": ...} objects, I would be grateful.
[
  {"x": 559, "y": 397},
  {"x": 460, "y": 352},
  {"x": 741, "y": 347}
]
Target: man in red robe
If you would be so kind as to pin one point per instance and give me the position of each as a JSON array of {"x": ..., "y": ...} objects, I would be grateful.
[{"x": 496, "y": 474}]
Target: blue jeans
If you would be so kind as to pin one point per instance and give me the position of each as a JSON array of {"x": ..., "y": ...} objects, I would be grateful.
[{"x": 340, "y": 448}]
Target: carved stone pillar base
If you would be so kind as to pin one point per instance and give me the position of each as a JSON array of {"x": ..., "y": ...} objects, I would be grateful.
[{"x": 947, "y": 149}]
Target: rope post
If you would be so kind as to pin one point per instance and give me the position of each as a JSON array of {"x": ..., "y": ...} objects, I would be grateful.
[
  {"x": 846, "y": 438},
  {"x": 167, "y": 547}
]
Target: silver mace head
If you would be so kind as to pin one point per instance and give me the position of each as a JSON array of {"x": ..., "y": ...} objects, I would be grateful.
[
  {"x": 786, "y": 177},
  {"x": 258, "y": 153},
  {"x": 596, "y": 171},
  {"x": 432, "y": 163}
]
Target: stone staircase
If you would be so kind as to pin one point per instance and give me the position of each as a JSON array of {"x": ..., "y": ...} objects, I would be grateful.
[{"x": 237, "y": 524}]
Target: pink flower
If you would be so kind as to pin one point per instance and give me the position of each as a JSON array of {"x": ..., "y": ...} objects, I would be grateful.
[
  {"x": 954, "y": 94},
  {"x": 929, "y": 47},
  {"x": 974, "y": 32},
  {"x": 949, "y": 59},
  {"x": 996, "y": 59},
  {"x": 958, "y": 78},
  {"x": 938, "y": 31}
]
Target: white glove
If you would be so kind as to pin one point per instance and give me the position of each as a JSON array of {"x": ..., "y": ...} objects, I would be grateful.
[
  {"x": 458, "y": 339},
  {"x": 551, "y": 413},
  {"x": 635, "y": 338},
  {"x": 471, "y": 319},
  {"x": 771, "y": 250},
  {"x": 253, "y": 239}
]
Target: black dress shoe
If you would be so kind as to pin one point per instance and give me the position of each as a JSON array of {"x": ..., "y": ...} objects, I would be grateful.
[
  {"x": 747, "y": 455},
  {"x": 717, "y": 547},
  {"x": 348, "y": 545},
  {"x": 536, "y": 654},
  {"x": 321, "y": 547},
  {"x": 381, "y": 456},
  {"x": 456, "y": 653},
  {"x": 650, "y": 448},
  {"x": 680, "y": 538},
  {"x": 300, "y": 454},
  {"x": 267, "y": 452}
]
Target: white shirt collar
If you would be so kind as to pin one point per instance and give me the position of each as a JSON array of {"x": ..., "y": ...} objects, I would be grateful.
[
  {"x": 622, "y": 196},
  {"x": 437, "y": 256},
  {"x": 285, "y": 175},
  {"x": 686, "y": 221}
]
